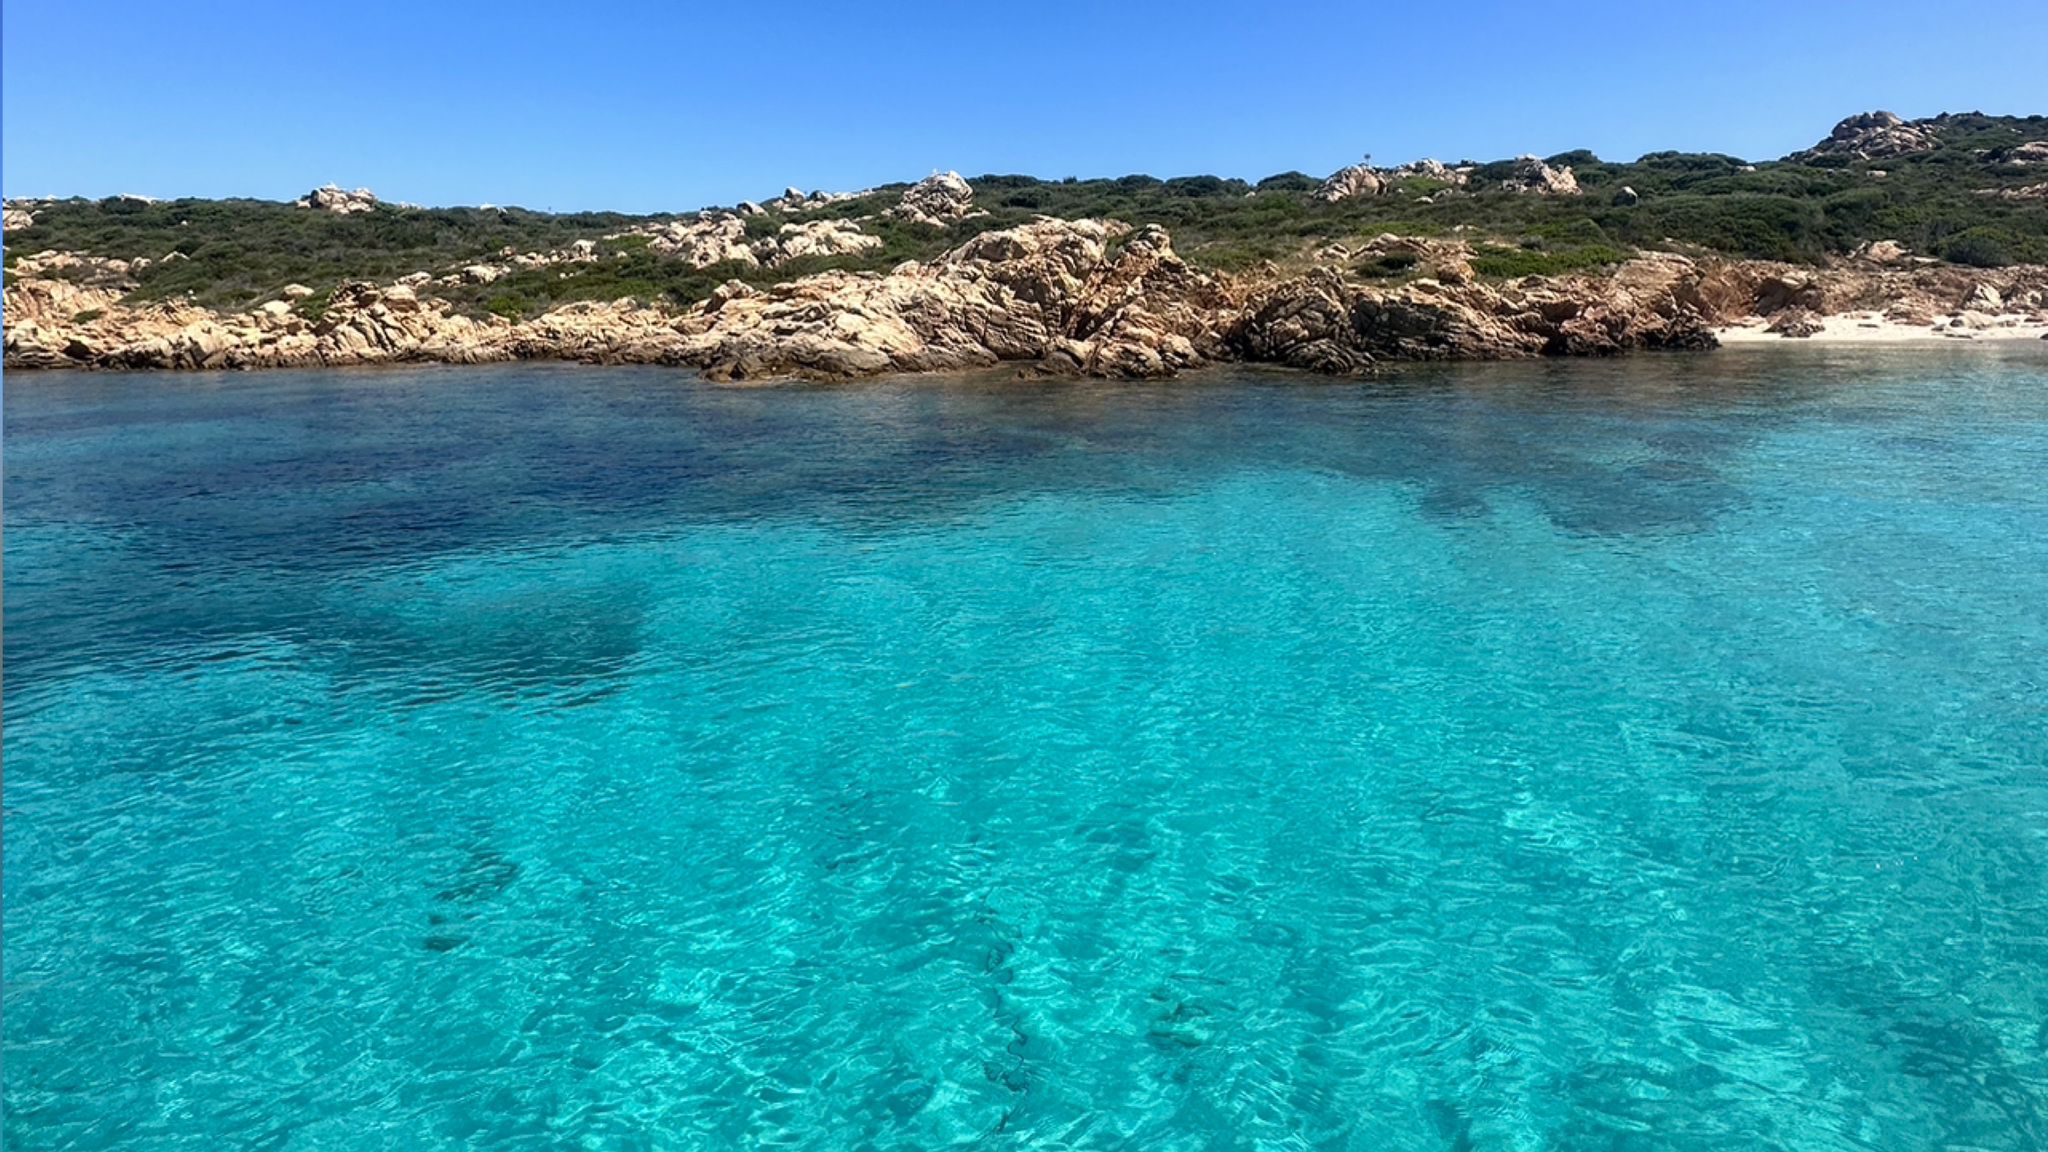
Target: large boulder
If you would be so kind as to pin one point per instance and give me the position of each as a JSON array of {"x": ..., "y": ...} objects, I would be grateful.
[
  {"x": 938, "y": 199},
  {"x": 332, "y": 198},
  {"x": 1358, "y": 180},
  {"x": 1533, "y": 175},
  {"x": 814, "y": 238},
  {"x": 710, "y": 238}
]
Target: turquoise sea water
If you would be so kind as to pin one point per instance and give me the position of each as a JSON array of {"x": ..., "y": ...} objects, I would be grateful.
[{"x": 1635, "y": 755}]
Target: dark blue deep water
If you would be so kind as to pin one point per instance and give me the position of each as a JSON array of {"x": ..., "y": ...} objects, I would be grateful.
[{"x": 1609, "y": 756}]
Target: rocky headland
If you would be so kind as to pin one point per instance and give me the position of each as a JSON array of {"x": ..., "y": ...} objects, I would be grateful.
[{"x": 1087, "y": 296}]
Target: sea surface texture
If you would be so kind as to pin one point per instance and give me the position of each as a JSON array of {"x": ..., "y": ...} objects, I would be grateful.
[{"x": 1607, "y": 756}]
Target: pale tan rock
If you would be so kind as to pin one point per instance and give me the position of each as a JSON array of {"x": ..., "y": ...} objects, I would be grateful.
[
  {"x": 1357, "y": 180},
  {"x": 1085, "y": 296},
  {"x": 1430, "y": 169},
  {"x": 1874, "y": 136},
  {"x": 712, "y": 238},
  {"x": 331, "y": 198},
  {"x": 937, "y": 200},
  {"x": 1982, "y": 297},
  {"x": 1534, "y": 175},
  {"x": 815, "y": 238},
  {"x": 1034, "y": 293}
]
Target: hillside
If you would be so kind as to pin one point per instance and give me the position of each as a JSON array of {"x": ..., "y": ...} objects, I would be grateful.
[{"x": 1970, "y": 189}]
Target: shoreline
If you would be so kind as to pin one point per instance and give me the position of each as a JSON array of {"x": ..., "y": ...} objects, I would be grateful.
[
  {"x": 1748, "y": 339},
  {"x": 1092, "y": 297},
  {"x": 1873, "y": 327}
]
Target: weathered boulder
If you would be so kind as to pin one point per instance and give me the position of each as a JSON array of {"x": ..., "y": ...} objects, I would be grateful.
[
  {"x": 937, "y": 200},
  {"x": 332, "y": 198},
  {"x": 1354, "y": 181},
  {"x": 1881, "y": 252},
  {"x": 1430, "y": 169},
  {"x": 710, "y": 238},
  {"x": 1874, "y": 136},
  {"x": 1797, "y": 323},
  {"x": 1982, "y": 297},
  {"x": 814, "y": 238},
  {"x": 1531, "y": 174}
]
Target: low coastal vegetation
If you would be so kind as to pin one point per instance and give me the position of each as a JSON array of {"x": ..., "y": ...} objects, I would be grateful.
[{"x": 1967, "y": 189}]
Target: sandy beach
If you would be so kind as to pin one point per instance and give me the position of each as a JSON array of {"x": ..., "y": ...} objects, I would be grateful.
[{"x": 1876, "y": 328}]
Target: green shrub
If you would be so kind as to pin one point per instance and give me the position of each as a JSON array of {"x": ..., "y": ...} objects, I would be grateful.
[
  {"x": 1389, "y": 264},
  {"x": 1289, "y": 182},
  {"x": 1979, "y": 248},
  {"x": 1509, "y": 263}
]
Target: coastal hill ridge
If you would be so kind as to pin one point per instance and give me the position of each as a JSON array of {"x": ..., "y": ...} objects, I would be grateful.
[{"x": 1886, "y": 228}]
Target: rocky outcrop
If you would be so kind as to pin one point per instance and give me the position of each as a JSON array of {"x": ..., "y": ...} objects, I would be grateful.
[
  {"x": 1881, "y": 252},
  {"x": 722, "y": 238},
  {"x": 1429, "y": 169},
  {"x": 1874, "y": 136},
  {"x": 1797, "y": 323},
  {"x": 936, "y": 200},
  {"x": 2025, "y": 192},
  {"x": 1083, "y": 296},
  {"x": 1325, "y": 322},
  {"x": 1061, "y": 294},
  {"x": 814, "y": 238},
  {"x": 796, "y": 200},
  {"x": 361, "y": 324},
  {"x": 13, "y": 219},
  {"x": 710, "y": 238},
  {"x": 1533, "y": 175},
  {"x": 1364, "y": 180},
  {"x": 1357, "y": 180},
  {"x": 332, "y": 198},
  {"x": 2032, "y": 152}
]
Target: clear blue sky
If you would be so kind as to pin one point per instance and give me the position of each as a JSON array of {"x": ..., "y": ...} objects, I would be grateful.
[{"x": 648, "y": 106}]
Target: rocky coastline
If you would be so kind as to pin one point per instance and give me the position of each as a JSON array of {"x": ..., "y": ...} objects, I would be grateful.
[
  {"x": 1079, "y": 297},
  {"x": 809, "y": 290}
]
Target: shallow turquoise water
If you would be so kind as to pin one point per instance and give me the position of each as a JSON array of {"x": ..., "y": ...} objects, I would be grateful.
[{"x": 1635, "y": 755}]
